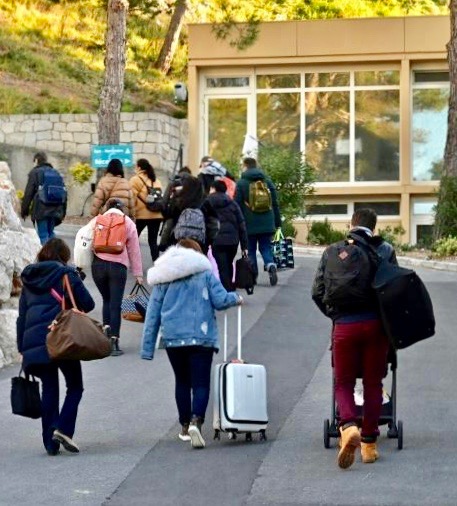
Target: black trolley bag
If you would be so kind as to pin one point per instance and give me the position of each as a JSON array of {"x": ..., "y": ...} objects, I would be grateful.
[{"x": 404, "y": 303}]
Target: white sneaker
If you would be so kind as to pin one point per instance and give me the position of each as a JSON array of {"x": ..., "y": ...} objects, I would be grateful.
[
  {"x": 196, "y": 438},
  {"x": 184, "y": 434},
  {"x": 65, "y": 441}
]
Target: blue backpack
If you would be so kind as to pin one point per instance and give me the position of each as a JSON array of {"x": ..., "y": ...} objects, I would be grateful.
[{"x": 52, "y": 190}]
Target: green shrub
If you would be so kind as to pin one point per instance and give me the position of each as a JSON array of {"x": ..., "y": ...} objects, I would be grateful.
[
  {"x": 322, "y": 233},
  {"x": 446, "y": 247},
  {"x": 292, "y": 176},
  {"x": 392, "y": 235},
  {"x": 288, "y": 229},
  {"x": 81, "y": 173}
]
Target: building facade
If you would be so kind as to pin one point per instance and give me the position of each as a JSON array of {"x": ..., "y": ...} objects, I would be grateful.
[{"x": 366, "y": 100}]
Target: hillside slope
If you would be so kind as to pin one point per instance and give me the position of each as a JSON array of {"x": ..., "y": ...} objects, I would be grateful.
[{"x": 51, "y": 59}]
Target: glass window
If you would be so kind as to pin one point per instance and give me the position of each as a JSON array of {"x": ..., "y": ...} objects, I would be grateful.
[
  {"x": 278, "y": 119},
  {"x": 227, "y": 126},
  {"x": 321, "y": 209},
  {"x": 227, "y": 82},
  {"x": 429, "y": 129},
  {"x": 377, "y": 135},
  {"x": 326, "y": 79},
  {"x": 431, "y": 77},
  {"x": 381, "y": 208},
  {"x": 426, "y": 208},
  {"x": 279, "y": 81},
  {"x": 424, "y": 235},
  {"x": 377, "y": 77},
  {"x": 327, "y": 134}
]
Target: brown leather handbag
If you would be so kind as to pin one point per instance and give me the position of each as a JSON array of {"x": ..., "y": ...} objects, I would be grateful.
[{"x": 73, "y": 335}]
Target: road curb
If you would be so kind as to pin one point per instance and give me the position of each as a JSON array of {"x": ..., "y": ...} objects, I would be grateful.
[
  {"x": 68, "y": 230},
  {"x": 403, "y": 260}
]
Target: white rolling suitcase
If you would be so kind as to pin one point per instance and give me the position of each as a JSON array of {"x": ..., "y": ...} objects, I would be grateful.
[{"x": 240, "y": 395}]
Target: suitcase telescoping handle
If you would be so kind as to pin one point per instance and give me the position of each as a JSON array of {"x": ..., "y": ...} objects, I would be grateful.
[{"x": 238, "y": 335}]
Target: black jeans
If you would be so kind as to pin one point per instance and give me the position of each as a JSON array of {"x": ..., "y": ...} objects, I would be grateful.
[
  {"x": 110, "y": 279},
  {"x": 153, "y": 232},
  {"x": 224, "y": 256},
  {"x": 51, "y": 419},
  {"x": 192, "y": 368}
]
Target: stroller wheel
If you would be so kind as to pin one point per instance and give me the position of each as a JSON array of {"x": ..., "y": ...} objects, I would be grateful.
[
  {"x": 327, "y": 433},
  {"x": 400, "y": 434},
  {"x": 392, "y": 432}
]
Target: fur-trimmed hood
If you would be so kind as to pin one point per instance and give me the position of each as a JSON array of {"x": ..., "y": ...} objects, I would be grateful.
[{"x": 177, "y": 263}]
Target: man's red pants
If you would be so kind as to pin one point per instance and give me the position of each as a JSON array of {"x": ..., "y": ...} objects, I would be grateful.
[{"x": 360, "y": 350}]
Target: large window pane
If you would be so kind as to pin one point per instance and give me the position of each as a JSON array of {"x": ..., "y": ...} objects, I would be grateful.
[
  {"x": 429, "y": 132},
  {"x": 377, "y": 135},
  {"x": 227, "y": 126},
  {"x": 278, "y": 119},
  {"x": 327, "y": 134},
  {"x": 377, "y": 77},
  {"x": 279, "y": 81},
  {"x": 326, "y": 79}
]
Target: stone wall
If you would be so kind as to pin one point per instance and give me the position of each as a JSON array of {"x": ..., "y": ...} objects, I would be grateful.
[
  {"x": 67, "y": 138},
  {"x": 18, "y": 247}
]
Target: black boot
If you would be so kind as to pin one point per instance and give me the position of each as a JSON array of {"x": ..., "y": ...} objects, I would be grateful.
[{"x": 115, "y": 350}]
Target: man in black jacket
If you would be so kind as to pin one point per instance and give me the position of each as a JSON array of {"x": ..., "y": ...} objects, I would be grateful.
[
  {"x": 359, "y": 343},
  {"x": 44, "y": 213},
  {"x": 232, "y": 231}
]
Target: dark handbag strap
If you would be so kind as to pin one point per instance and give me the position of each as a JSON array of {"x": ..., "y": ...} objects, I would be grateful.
[
  {"x": 139, "y": 288},
  {"x": 67, "y": 287},
  {"x": 27, "y": 376}
]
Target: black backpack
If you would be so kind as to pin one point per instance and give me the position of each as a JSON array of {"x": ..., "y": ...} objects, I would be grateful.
[
  {"x": 404, "y": 303},
  {"x": 348, "y": 275}
]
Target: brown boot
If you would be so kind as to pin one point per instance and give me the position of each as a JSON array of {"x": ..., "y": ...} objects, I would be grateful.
[
  {"x": 369, "y": 452},
  {"x": 350, "y": 441}
]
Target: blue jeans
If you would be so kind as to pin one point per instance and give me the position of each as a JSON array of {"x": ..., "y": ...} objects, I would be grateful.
[
  {"x": 192, "y": 368},
  {"x": 45, "y": 229},
  {"x": 265, "y": 248},
  {"x": 51, "y": 419},
  {"x": 110, "y": 279}
]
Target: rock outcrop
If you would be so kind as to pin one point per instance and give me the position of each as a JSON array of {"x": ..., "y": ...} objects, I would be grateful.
[{"x": 18, "y": 247}]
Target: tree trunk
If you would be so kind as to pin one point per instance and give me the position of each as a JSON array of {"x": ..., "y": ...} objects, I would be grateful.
[
  {"x": 450, "y": 153},
  {"x": 113, "y": 84},
  {"x": 446, "y": 209},
  {"x": 170, "y": 43}
]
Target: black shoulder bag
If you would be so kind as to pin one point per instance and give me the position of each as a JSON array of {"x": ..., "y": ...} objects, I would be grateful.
[{"x": 25, "y": 396}]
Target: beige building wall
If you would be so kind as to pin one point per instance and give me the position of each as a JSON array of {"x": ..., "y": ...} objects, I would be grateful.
[{"x": 405, "y": 44}]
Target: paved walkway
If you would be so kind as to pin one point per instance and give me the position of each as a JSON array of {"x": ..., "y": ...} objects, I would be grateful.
[{"x": 127, "y": 428}]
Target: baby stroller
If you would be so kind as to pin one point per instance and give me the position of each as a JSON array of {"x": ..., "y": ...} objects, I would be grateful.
[{"x": 388, "y": 413}]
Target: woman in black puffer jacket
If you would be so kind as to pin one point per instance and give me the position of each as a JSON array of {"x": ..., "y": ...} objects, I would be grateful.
[
  {"x": 38, "y": 306},
  {"x": 232, "y": 231}
]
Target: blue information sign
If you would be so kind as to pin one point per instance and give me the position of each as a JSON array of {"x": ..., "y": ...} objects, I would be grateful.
[{"x": 103, "y": 153}]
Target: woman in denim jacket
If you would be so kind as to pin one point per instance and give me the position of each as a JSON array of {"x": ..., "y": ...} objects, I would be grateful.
[{"x": 182, "y": 302}]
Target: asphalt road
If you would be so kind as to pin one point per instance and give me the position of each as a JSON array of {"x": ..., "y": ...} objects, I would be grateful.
[{"x": 127, "y": 426}]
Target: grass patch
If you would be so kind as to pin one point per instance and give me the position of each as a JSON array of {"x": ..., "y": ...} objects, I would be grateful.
[{"x": 52, "y": 59}]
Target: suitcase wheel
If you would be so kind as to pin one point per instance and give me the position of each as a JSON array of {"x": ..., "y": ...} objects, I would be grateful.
[
  {"x": 217, "y": 435},
  {"x": 263, "y": 435},
  {"x": 232, "y": 435},
  {"x": 248, "y": 436}
]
